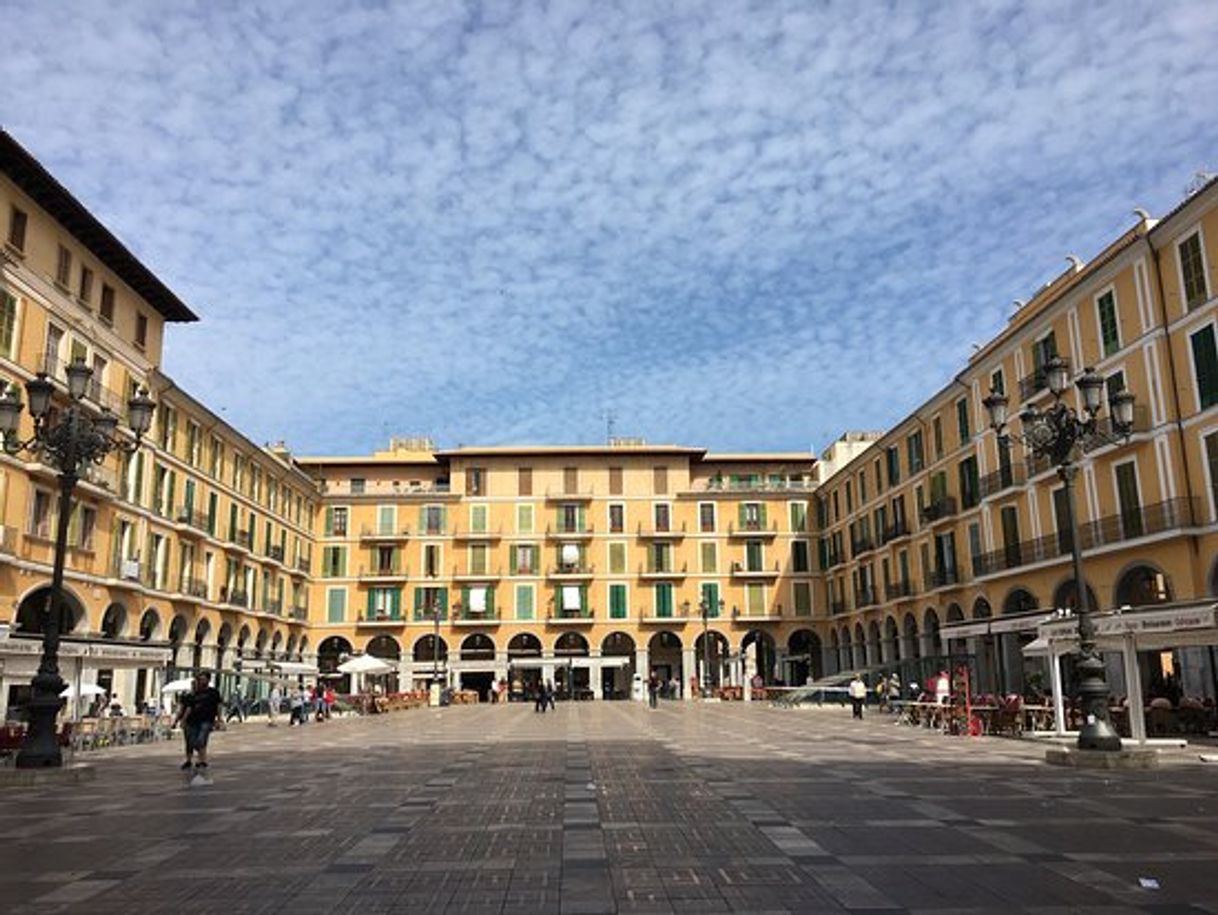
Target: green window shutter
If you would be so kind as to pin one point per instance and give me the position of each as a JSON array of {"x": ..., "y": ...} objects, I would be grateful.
[
  {"x": 742, "y": 516},
  {"x": 580, "y": 518},
  {"x": 422, "y": 518},
  {"x": 173, "y": 481},
  {"x": 465, "y": 598},
  {"x": 371, "y": 601},
  {"x": 341, "y": 560},
  {"x": 512, "y": 559},
  {"x": 329, "y": 528},
  {"x": 442, "y": 600},
  {"x": 443, "y": 518},
  {"x": 490, "y": 600},
  {"x": 761, "y": 513},
  {"x": 418, "y": 602},
  {"x": 1205, "y": 362},
  {"x": 74, "y": 525}
]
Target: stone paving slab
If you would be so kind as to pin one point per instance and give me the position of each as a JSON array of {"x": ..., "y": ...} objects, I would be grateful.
[{"x": 610, "y": 807}]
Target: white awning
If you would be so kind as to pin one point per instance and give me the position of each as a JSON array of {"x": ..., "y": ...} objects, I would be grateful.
[
  {"x": 477, "y": 600},
  {"x": 1027, "y": 623},
  {"x": 570, "y": 597},
  {"x": 294, "y": 668},
  {"x": 570, "y": 554},
  {"x": 964, "y": 630}
]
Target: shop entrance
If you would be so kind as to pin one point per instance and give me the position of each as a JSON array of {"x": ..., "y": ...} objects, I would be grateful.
[{"x": 479, "y": 680}]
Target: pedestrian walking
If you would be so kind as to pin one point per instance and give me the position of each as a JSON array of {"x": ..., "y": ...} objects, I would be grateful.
[
  {"x": 550, "y": 695},
  {"x": 296, "y": 708},
  {"x": 272, "y": 706},
  {"x": 653, "y": 690},
  {"x": 858, "y": 695},
  {"x": 197, "y": 714},
  {"x": 539, "y": 698}
]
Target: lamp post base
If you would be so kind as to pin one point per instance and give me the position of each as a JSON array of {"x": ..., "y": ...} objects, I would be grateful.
[
  {"x": 1099, "y": 736},
  {"x": 1131, "y": 758},
  {"x": 41, "y": 747}
]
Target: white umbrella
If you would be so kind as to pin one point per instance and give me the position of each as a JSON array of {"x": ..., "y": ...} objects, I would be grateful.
[
  {"x": 178, "y": 686},
  {"x": 364, "y": 664},
  {"x": 86, "y": 689}
]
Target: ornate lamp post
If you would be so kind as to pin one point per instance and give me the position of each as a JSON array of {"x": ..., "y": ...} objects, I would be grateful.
[
  {"x": 70, "y": 440},
  {"x": 1059, "y": 433},
  {"x": 705, "y": 607}
]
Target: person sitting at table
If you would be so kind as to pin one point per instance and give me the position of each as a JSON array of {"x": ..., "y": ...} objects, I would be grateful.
[{"x": 116, "y": 709}]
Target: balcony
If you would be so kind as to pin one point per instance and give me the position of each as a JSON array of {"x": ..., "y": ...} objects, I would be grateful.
[
  {"x": 381, "y": 618},
  {"x": 304, "y": 565},
  {"x": 899, "y": 590},
  {"x": 571, "y": 571},
  {"x": 660, "y": 533},
  {"x": 753, "y": 529},
  {"x": 273, "y": 606},
  {"x": 300, "y": 613},
  {"x": 1031, "y": 385},
  {"x": 582, "y": 617},
  {"x": 469, "y": 534},
  {"x": 748, "y": 617},
  {"x": 131, "y": 570},
  {"x": 861, "y": 545},
  {"x": 569, "y": 532},
  {"x": 894, "y": 531},
  {"x": 194, "y": 587},
  {"x": 1148, "y": 521},
  {"x": 275, "y": 554},
  {"x": 463, "y": 616},
  {"x": 741, "y": 570},
  {"x": 1103, "y": 427},
  {"x": 383, "y": 535},
  {"x": 834, "y": 559},
  {"x": 383, "y": 573},
  {"x": 662, "y": 570},
  {"x": 941, "y": 578},
  {"x": 234, "y": 598},
  {"x": 866, "y": 597},
  {"x": 476, "y": 574},
  {"x": 938, "y": 510},
  {"x": 799, "y": 483},
  {"x": 999, "y": 481},
  {"x": 241, "y": 540},
  {"x": 837, "y": 606},
  {"x": 569, "y": 496},
  {"x": 191, "y": 518}
]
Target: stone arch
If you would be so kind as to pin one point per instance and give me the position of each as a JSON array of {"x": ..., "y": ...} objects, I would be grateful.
[
  {"x": 477, "y": 646},
  {"x": 290, "y": 648},
  {"x": 276, "y": 643},
  {"x": 618, "y": 644},
  {"x": 426, "y": 651},
  {"x": 847, "y": 649},
  {"x": 385, "y": 647},
  {"x": 304, "y": 645},
  {"x": 766, "y": 653},
  {"x": 835, "y": 652},
  {"x": 571, "y": 645},
  {"x": 806, "y": 656},
  {"x": 1019, "y": 600},
  {"x": 874, "y": 651},
  {"x": 331, "y": 652},
  {"x": 31, "y": 610},
  {"x": 665, "y": 658},
  {"x": 1142, "y": 584},
  {"x": 860, "y": 646},
  {"x": 524, "y": 645},
  {"x": 1066, "y": 595},
  {"x": 243, "y": 640},
  {"x": 892, "y": 641},
  {"x": 982, "y": 609},
  {"x": 932, "y": 644},
  {"x": 909, "y": 638},
  {"x": 114, "y": 621},
  {"x": 260, "y": 643}
]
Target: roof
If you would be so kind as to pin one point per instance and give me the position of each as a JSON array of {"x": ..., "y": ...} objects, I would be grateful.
[
  {"x": 382, "y": 457},
  {"x": 29, "y": 175},
  {"x": 761, "y": 457},
  {"x": 559, "y": 450}
]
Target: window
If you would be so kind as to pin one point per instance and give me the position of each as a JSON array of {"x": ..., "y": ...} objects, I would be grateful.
[
  {"x": 17, "y": 221},
  {"x": 431, "y": 560},
  {"x": 754, "y": 599},
  {"x": 893, "y": 457},
  {"x": 384, "y": 603},
  {"x": 477, "y": 558},
  {"x": 570, "y": 480},
  {"x": 617, "y": 602},
  {"x": 799, "y": 516},
  {"x": 800, "y": 556},
  {"x": 663, "y": 516},
  {"x": 54, "y": 341},
  {"x": 475, "y": 481},
  {"x": 522, "y": 558},
  {"x": 962, "y": 424},
  {"x": 752, "y": 516},
  {"x": 430, "y": 602},
  {"x": 358, "y": 486},
  {"x": 106, "y": 309},
  {"x": 477, "y": 519},
  {"x": 849, "y": 497},
  {"x": 63, "y": 267},
  {"x": 660, "y": 480},
  {"x": 1192, "y": 270},
  {"x": 524, "y": 519},
  {"x": 970, "y": 484},
  {"x": 998, "y": 384},
  {"x": 754, "y": 556},
  {"x": 617, "y": 518},
  {"x": 85, "y": 290},
  {"x": 617, "y": 559},
  {"x": 524, "y": 602},
  {"x": 336, "y": 521},
  {"x": 524, "y": 481},
  {"x": 706, "y": 517},
  {"x": 141, "y": 331},
  {"x": 1110, "y": 334},
  {"x": 1211, "y": 462},
  {"x": 334, "y": 561},
  {"x": 913, "y": 447},
  {"x": 336, "y": 605},
  {"x": 663, "y": 599},
  {"x": 862, "y": 489},
  {"x": 801, "y": 593},
  {"x": 937, "y": 431},
  {"x": 1130, "y": 502},
  {"x": 1205, "y": 366},
  {"x": 709, "y": 554},
  {"x": 1114, "y": 384},
  {"x": 432, "y": 519},
  {"x": 8, "y": 322},
  {"x": 615, "y": 481}
]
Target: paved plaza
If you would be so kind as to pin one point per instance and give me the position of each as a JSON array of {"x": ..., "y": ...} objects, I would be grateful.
[{"x": 605, "y": 807}]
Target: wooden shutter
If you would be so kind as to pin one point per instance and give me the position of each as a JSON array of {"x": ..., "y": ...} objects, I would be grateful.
[
  {"x": 1205, "y": 361},
  {"x": 329, "y": 526},
  {"x": 512, "y": 559}
]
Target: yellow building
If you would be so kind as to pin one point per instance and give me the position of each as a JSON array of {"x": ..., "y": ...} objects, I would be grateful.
[
  {"x": 580, "y": 565},
  {"x": 938, "y": 525},
  {"x": 200, "y": 541}
]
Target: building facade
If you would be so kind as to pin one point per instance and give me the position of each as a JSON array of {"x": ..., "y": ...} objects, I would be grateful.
[
  {"x": 941, "y": 523},
  {"x": 578, "y": 565}
]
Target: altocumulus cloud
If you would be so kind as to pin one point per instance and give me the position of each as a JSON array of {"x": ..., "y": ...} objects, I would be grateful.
[{"x": 746, "y": 225}]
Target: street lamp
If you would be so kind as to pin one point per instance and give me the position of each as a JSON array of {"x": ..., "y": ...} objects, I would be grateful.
[
  {"x": 704, "y": 606},
  {"x": 1058, "y": 433},
  {"x": 70, "y": 440}
]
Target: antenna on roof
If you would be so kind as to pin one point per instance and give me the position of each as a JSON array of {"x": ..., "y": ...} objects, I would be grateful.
[
  {"x": 1200, "y": 180},
  {"x": 610, "y": 425}
]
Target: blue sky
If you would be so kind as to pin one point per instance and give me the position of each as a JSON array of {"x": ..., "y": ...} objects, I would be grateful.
[{"x": 739, "y": 225}]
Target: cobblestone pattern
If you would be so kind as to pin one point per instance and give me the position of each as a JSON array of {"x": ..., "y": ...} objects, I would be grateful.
[{"x": 608, "y": 807}]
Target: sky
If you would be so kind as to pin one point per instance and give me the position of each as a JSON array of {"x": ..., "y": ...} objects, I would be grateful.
[{"x": 738, "y": 225}]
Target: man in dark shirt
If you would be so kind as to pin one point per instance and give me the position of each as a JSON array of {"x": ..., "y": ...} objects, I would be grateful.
[{"x": 198, "y": 713}]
